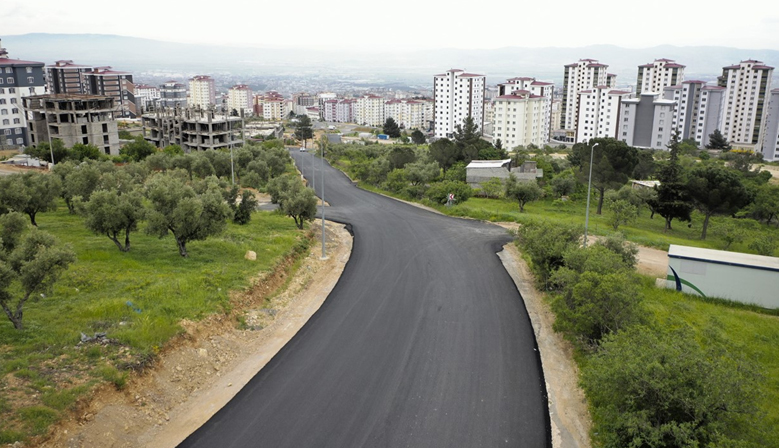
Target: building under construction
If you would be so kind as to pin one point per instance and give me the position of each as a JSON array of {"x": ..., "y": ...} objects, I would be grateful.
[
  {"x": 73, "y": 118},
  {"x": 193, "y": 130}
]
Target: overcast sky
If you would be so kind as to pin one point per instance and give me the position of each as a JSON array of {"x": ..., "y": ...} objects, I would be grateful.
[{"x": 407, "y": 24}]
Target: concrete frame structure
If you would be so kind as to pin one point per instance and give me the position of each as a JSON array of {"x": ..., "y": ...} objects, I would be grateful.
[
  {"x": 190, "y": 129},
  {"x": 116, "y": 84},
  {"x": 172, "y": 94},
  {"x": 457, "y": 95},
  {"x": 146, "y": 96},
  {"x": 746, "y": 93},
  {"x": 655, "y": 76},
  {"x": 18, "y": 79},
  {"x": 74, "y": 118}
]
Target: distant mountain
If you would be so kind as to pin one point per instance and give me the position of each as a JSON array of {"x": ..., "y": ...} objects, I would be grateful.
[{"x": 137, "y": 54}]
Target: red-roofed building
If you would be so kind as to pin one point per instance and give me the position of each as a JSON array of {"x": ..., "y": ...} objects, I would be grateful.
[
  {"x": 66, "y": 77},
  {"x": 657, "y": 75},
  {"x": 521, "y": 118},
  {"x": 409, "y": 114},
  {"x": 240, "y": 99},
  {"x": 537, "y": 88},
  {"x": 583, "y": 75},
  {"x": 747, "y": 86},
  {"x": 457, "y": 96},
  {"x": 202, "y": 92},
  {"x": 599, "y": 112},
  {"x": 369, "y": 110}
]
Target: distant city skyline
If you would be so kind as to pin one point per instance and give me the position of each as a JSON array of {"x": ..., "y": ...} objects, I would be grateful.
[{"x": 405, "y": 24}]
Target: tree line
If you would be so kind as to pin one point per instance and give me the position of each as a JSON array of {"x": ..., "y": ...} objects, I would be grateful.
[{"x": 188, "y": 196}]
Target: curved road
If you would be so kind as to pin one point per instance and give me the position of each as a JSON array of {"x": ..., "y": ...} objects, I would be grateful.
[{"x": 424, "y": 342}]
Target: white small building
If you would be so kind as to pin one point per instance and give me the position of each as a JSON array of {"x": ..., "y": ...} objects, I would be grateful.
[
  {"x": 734, "y": 276},
  {"x": 479, "y": 171}
]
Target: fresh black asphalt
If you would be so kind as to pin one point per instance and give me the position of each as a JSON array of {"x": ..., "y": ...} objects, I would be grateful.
[{"x": 424, "y": 342}]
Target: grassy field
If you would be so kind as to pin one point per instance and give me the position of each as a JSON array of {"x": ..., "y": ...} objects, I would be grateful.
[
  {"x": 755, "y": 335},
  {"x": 137, "y": 298}
]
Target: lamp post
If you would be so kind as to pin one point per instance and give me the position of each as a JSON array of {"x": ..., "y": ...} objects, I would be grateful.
[
  {"x": 589, "y": 186},
  {"x": 322, "y": 176}
]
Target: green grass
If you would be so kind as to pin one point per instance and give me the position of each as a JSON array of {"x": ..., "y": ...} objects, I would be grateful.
[
  {"x": 93, "y": 295},
  {"x": 755, "y": 335}
]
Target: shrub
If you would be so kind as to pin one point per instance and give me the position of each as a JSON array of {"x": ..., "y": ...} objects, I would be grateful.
[{"x": 439, "y": 191}]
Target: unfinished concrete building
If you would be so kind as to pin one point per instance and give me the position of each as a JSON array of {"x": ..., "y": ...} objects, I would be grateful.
[
  {"x": 73, "y": 118},
  {"x": 192, "y": 130}
]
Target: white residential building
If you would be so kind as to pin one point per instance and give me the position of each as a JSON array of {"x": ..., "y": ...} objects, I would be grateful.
[
  {"x": 409, "y": 114},
  {"x": 583, "y": 75},
  {"x": 18, "y": 79},
  {"x": 344, "y": 111},
  {"x": 369, "y": 110},
  {"x": 599, "y": 113},
  {"x": 538, "y": 88},
  {"x": 771, "y": 140},
  {"x": 146, "y": 96},
  {"x": 328, "y": 110},
  {"x": 521, "y": 118},
  {"x": 655, "y": 76},
  {"x": 647, "y": 121},
  {"x": 202, "y": 92},
  {"x": 457, "y": 96},
  {"x": 746, "y": 93},
  {"x": 240, "y": 98},
  {"x": 697, "y": 109}
]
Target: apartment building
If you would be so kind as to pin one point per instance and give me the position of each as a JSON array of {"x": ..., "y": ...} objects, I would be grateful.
[
  {"x": 369, "y": 110},
  {"x": 697, "y": 109},
  {"x": 345, "y": 111},
  {"x": 747, "y": 86},
  {"x": 599, "y": 113},
  {"x": 202, "y": 92},
  {"x": 65, "y": 77},
  {"x": 240, "y": 99},
  {"x": 146, "y": 97},
  {"x": 73, "y": 118},
  {"x": 408, "y": 114},
  {"x": 270, "y": 106},
  {"x": 193, "y": 130},
  {"x": 173, "y": 94},
  {"x": 18, "y": 79},
  {"x": 770, "y": 147},
  {"x": 457, "y": 95},
  {"x": 302, "y": 101},
  {"x": 657, "y": 75},
  {"x": 537, "y": 88},
  {"x": 520, "y": 119},
  {"x": 647, "y": 121},
  {"x": 586, "y": 74}
]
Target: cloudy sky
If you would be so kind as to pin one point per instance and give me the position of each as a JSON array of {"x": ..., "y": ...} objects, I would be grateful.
[{"x": 407, "y": 24}]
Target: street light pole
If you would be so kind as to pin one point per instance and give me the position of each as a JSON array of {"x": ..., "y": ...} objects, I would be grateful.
[
  {"x": 322, "y": 176},
  {"x": 589, "y": 186}
]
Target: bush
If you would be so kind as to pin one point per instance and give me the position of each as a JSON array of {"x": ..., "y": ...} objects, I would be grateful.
[
  {"x": 546, "y": 244},
  {"x": 439, "y": 191},
  {"x": 657, "y": 388}
]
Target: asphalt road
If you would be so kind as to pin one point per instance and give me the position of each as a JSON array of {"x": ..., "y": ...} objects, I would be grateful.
[{"x": 424, "y": 342}]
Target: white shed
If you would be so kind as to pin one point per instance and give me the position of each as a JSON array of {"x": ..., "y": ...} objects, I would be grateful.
[{"x": 735, "y": 276}]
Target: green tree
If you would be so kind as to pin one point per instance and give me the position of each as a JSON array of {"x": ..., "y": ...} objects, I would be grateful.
[
  {"x": 716, "y": 190},
  {"x": 399, "y": 156},
  {"x": 764, "y": 244},
  {"x": 421, "y": 173},
  {"x": 563, "y": 184},
  {"x": 646, "y": 165},
  {"x": 621, "y": 212},
  {"x": 522, "y": 192},
  {"x": 493, "y": 188},
  {"x": 138, "y": 149},
  {"x": 766, "y": 204},
  {"x": 173, "y": 150},
  {"x": 613, "y": 161},
  {"x": 300, "y": 205},
  {"x": 673, "y": 200},
  {"x": 42, "y": 152},
  {"x": 175, "y": 208},
  {"x": 81, "y": 152},
  {"x": 113, "y": 214},
  {"x": 546, "y": 244},
  {"x": 445, "y": 152},
  {"x": 33, "y": 265},
  {"x": 417, "y": 137},
  {"x": 29, "y": 193},
  {"x": 242, "y": 207},
  {"x": 718, "y": 141},
  {"x": 729, "y": 231},
  {"x": 391, "y": 128},
  {"x": 467, "y": 137},
  {"x": 650, "y": 387},
  {"x": 303, "y": 129},
  {"x": 80, "y": 182}
]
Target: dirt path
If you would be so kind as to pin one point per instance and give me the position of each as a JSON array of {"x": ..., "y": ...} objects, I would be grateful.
[{"x": 214, "y": 360}]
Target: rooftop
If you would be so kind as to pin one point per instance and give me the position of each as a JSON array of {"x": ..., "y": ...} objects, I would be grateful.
[
  {"x": 9, "y": 61},
  {"x": 724, "y": 257}
]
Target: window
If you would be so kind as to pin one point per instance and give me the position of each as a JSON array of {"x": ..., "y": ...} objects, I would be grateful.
[
  {"x": 19, "y": 141},
  {"x": 11, "y": 90},
  {"x": 17, "y": 121},
  {"x": 7, "y": 131},
  {"x": 30, "y": 79},
  {"x": 28, "y": 69},
  {"x": 13, "y": 100},
  {"x": 9, "y": 80},
  {"x": 6, "y": 122},
  {"x": 2, "y": 100}
]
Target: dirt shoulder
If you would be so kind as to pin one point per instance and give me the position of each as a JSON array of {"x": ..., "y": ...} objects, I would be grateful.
[
  {"x": 569, "y": 415},
  {"x": 213, "y": 360}
]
